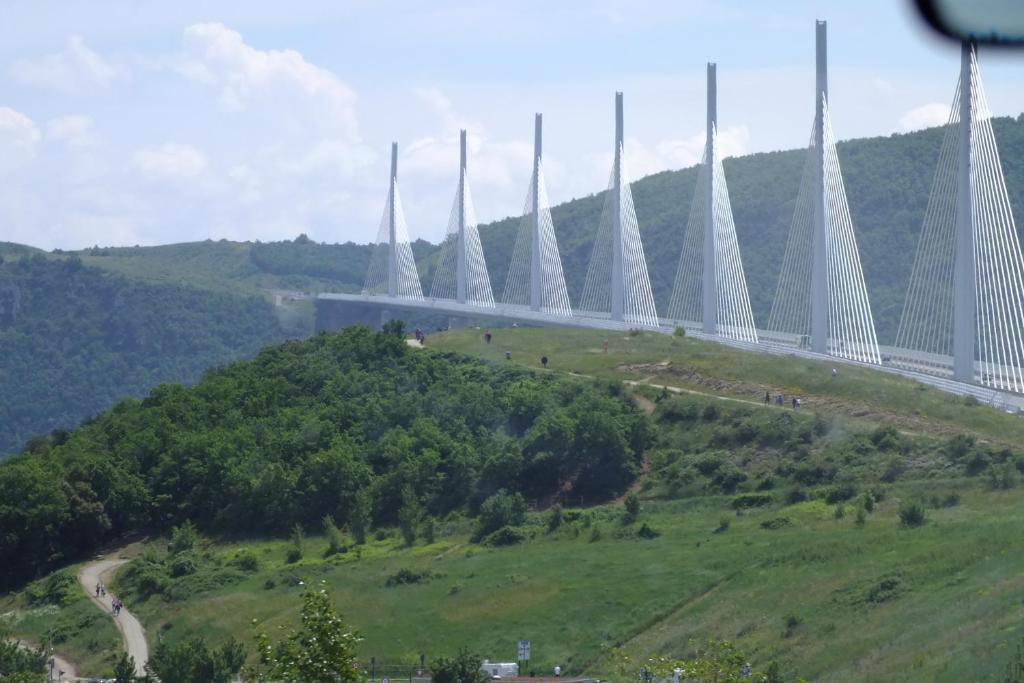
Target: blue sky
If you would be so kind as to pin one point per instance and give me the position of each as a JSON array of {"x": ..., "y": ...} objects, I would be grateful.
[{"x": 140, "y": 122}]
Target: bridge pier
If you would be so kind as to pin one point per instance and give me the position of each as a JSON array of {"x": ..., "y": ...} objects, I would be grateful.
[
  {"x": 964, "y": 271},
  {"x": 819, "y": 244}
]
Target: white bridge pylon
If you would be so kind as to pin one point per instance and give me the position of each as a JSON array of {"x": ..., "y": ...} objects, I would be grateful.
[
  {"x": 710, "y": 286},
  {"x": 461, "y": 272},
  {"x": 535, "y": 276},
  {"x": 965, "y": 302},
  {"x": 392, "y": 268},
  {"x": 822, "y": 299},
  {"x": 617, "y": 283}
]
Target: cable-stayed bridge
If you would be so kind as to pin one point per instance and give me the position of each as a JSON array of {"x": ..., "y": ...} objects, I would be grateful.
[{"x": 962, "y": 326}]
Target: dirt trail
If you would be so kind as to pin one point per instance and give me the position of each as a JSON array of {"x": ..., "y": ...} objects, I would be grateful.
[
  {"x": 56, "y": 662},
  {"x": 131, "y": 630}
]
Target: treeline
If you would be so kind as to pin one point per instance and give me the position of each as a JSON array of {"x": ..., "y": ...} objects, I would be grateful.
[
  {"x": 74, "y": 340},
  {"x": 315, "y": 428}
]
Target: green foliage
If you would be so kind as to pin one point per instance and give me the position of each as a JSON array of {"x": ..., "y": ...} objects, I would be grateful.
[
  {"x": 464, "y": 667},
  {"x": 246, "y": 560},
  {"x": 751, "y": 500},
  {"x": 1003, "y": 476},
  {"x": 298, "y": 547},
  {"x": 506, "y": 535},
  {"x": 19, "y": 664},
  {"x": 776, "y": 523},
  {"x": 335, "y": 541},
  {"x": 409, "y": 515},
  {"x": 912, "y": 515},
  {"x": 124, "y": 669},
  {"x": 555, "y": 518},
  {"x": 406, "y": 576},
  {"x": 193, "y": 661},
  {"x": 341, "y": 425},
  {"x": 321, "y": 649},
  {"x": 503, "y": 509},
  {"x": 83, "y": 339},
  {"x": 632, "y": 508},
  {"x": 60, "y": 588}
]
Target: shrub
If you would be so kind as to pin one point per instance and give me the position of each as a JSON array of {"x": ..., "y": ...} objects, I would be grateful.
[
  {"x": 184, "y": 564},
  {"x": 861, "y": 518},
  {"x": 269, "y": 584},
  {"x": 723, "y": 525},
  {"x": 429, "y": 530},
  {"x": 839, "y": 493},
  {"x": 60, "y": 588},
  {"x": 711, "y": 413},
  {"x": 752, "y": 500},
  {"x": 407, "y": 576},
  {"x": 679, "y": 332},
  {"x": 867, "y": 501},
  {"x": 776, "y": 523},
  {"x": 632, "y": 505},
  {"x": 647, "y": 532},
  {"x": 595, "y": 533},
  {"x": 500, "y": 510},
  {"x": 555, "y": 517},
  {"x": 335, "y": 541},
  {"x": 245, "y": 560},
  {"x": 298, "y": 549},
  {"x": 1003, "y": 476},
  {"x": 184, "y": 537},
  {"x": 911, "y": 515},
  {"x": 790, "y": 622},
  {"x": 795, "y": 496},
  {"x": 506, "y": 535},
  {"x": 840, "y": 512}
]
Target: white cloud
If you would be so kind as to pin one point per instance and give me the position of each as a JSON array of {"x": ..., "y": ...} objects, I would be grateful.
[
  {"x": 170, "y": 161},
  {"x": 76, "y": 70},
  {"x": 76, "y": 131},
  {"x": 925, "y": 116},
  {"x": 19, "y": 136}
]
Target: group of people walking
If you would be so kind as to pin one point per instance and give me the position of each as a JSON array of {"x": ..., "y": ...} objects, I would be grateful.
[
  {"x": 780, "y": 399},
  {"x": 115, "y": 604}
]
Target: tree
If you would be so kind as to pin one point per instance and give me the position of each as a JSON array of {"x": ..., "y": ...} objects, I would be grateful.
[
  {"x": 320, "y": 650},
  {"x": 362, "y": 510},
  {"x": 18, "y": 664},
  {"x": 501, "y": 509},
  {"x": 632, "y": 508},
  {"x": 409, "y": 515},
  {"x": 192, "y": 662},
  {"x": 124, "y": 669},
  {"x": 464, "y": 667}
]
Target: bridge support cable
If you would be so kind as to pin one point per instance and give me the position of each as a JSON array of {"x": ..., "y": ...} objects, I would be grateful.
[
  {"x": 461, "y": 271},
  {"x": 710, "y": 285},
  {"x": 969, "y": 234},
  {"x": 821, "y": 300},
  {"x": 535, "y": 276},
  {"x": 392, "y": 269},
  {"x": 617, "y": 282}
]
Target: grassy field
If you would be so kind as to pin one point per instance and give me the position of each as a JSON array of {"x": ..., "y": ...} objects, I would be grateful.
[
  {"x": 825, "y": 597},
  {"x": 77, "y": 630},
  {"x": 831, "y": 590},
  {"x": 856, "y": 393}
]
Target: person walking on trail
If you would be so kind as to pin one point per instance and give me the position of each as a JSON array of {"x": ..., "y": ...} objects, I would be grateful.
[
  {"x": 487, "y": 336},
  {"x": 796, "y": 402}
]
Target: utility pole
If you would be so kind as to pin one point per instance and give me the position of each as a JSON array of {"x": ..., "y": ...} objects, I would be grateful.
[
  {"x": 392, "y": 246},
  {"x": 819, "y": 240},
  {"x": 460, "y": 264},
  {"x": 709, "y": 288},
  {"x": 964, "y": 284},
  {"x": 618, "y": 281},
  {"x": 536, "y": 277}
]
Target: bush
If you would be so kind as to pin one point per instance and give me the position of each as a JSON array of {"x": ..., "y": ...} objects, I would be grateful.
[
  {"x": 245, "y": 560},
  {"x": 795, "y": 496},
  {"x": 60, "y": 588},
  {"x": 862, "y": 517},
  {"x": 184, "y": 537},
  {"x": 298, "y": 549},
  {"x": 723, "y": 525},
  {"x": 184, "y": 564},
  {"x": 506, "y": 535},
  {"x": 912, "y": 515},
  {"x": 500, "y": 510},
  {"x": 555, "y": 518},
  {"x": 776, "y": 523},
  {"x": 632, "y": 505},
  {"x": 335, "y": 541},
  {"x": 1004, "y": 476},
  {"x": 407, "y": 576},
  {"x": 840, "y": 512},
  {"x": 840, "y": 493},
  {"x": 752, "y": 500},
  {"x": 711, "y": 413},
  {"x": 647, "y": 532}
]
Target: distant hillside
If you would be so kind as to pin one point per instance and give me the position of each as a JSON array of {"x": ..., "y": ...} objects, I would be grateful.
[{"x": 75, "y": 339}]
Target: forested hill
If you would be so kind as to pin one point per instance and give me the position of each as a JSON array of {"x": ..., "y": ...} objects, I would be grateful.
[
  {"x": 74, "y": 340},
  {"x": 355, "y": 425}
]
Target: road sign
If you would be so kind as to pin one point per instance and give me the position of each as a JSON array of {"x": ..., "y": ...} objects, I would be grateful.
[{"x": 524, "y": 650}]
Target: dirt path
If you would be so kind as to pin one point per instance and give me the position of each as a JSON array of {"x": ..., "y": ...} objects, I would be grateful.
[{"x": 131, "y": 630}]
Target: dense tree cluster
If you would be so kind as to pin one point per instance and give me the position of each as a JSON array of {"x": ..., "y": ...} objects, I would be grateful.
[
  {"x": 74, "y": 340},
  {"x": 355, "y": 425}
]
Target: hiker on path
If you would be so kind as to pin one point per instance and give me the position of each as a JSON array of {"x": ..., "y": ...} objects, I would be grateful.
[{"x": 487, "y": 336}]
